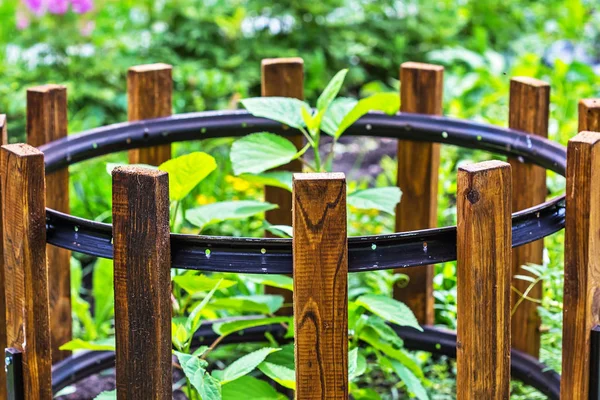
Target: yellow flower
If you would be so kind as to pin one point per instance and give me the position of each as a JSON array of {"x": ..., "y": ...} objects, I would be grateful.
[
  {"x": 202, "y": 199},
  {"x": 238, "y": 184}
]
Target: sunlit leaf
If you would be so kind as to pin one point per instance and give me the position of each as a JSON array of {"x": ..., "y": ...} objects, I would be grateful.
[
  {"x": 285, "y": 376},
  {"x": 281, "y": 179},
  {"x": 331, "y": 90},
  {"x": 386, "y": 102},
  {"x": 286, "y": 110},
  {"x": 264, "y": 304},
  {"x": 79, "y": 344},
  {"x": 279, "y": 281},
  {"x": 200, "y": 283},
  {"x": 246, "y": 364},
  {"x": 227, "y": 328},
  {"x": 389, "y": 309},
  {"x": 335, "y": 114},
  {"x": 261, "y": 151},
  {"x": 248, "y": 387},
  {"x": 383, "y": 199},
  {"x": 226, "y": 210},
  {"x": 187, "y": 171}
]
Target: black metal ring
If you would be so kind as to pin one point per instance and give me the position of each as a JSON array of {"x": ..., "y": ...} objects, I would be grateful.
[
  {"x": 253, "y": 255},
  {"x": 433, "y": 340}
]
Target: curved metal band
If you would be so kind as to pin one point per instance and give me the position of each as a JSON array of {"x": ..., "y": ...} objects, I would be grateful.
[
  {"x": 366, "y": 253},
  {"x": 433, "y": 340}
]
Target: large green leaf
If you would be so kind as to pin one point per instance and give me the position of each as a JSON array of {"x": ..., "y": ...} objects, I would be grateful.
[
  {"x": 108, "y": 395},
  {"x": 246, "y": 364},
  {"x": 103, "y": 291},
  {"x": 281, "y": 179},
  {"x": 265, "y": 304},
  {"x": 413, "y": 384},
  {"x": 100, "y": 345},
  {"x": 335, "y": 114},
  {"x": 285, "y": 376},
  {"x": 386, "y": 102},
  {"x": 261, "y": 151},
  {"x": 331, "y": 90},
  {"x": 227, "y": 328},
  {"x": 200, "y": 283},
  {"x": 248, "y": 387},
  {"x": 389, "y": 309},
  {"x": 225, "y": 210},
  {"x": 382, "y": 199},
  {"x": 278, "y": 281},
  {"x": 186, "y": 171},
  {"x": 195, "y": 370},
  {"x": 385, "y": 332},
  {"x": 281, "y": 109}
]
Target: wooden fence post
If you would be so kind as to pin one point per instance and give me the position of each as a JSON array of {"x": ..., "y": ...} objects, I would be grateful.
[
  {"x": 3, "y": 394},
  {"x": 320, "y": 252},
  {"x": 142, "y": 259},
  {"x": 149, "y": 95},
  {"x": 589, "y": 115},
  {"x": 282, "y": 77},
  {"x": 421, "y": 91},
  {"x": 47, "y": 121},
  {"x": 25, "y": 267},
  {"x": 582, "y": 262},
  {"x": 484, "y": 240},
  {"x": 529, "y": 105}
]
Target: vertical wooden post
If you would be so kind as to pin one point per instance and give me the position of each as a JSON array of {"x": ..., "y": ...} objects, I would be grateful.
[
  {"x": 142, "y": 258},
  {"x": 529, "y": 106},
  {"x": 484, "y": 240},
  {"x": 47, "y": 121},
  {"x": 589, "y": 115},
  {"x": 582, "y": 262},
  {"x": 149, "y": 95},
  {"x": 320, "y": 252},
  {"x": 25, "y": 268},
  {"x": 3, "y": 394},
  {"x": 282, "y": 77},
  {"x": 421, "y": 91}
]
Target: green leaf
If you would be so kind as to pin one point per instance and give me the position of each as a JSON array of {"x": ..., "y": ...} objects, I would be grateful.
[
  {"x": 261, "y": 151},
  {"x": 384, "y": 331},
  {"x": 285, "y": 376},
  {"x": 195, "y": 370},
  {"x": 248, "y": 387},
  {"x": 383, "y": 199},
  {"x": 200, "y": 283},
  {"x": 103, "y": 291},
  {"x": 284, "y": 357},
  {"x": 389, "y": 309},
  {"x": 281, "y": 109},
  {"x": 284, "y": 231},
  {"x": 280, "y": 179},
  {"x": 108, "y": 395},
  {"x": 225, "y": 210},
  {"x": 331, "y": 90},
  {"x": 180, "y": 335},
  {"x": 386, "y": 102},
  {"x": 413, "y": 384},
  {"x": 227, "y": 328},
  {"x": 187, "y": 171},
  {"x": 335, "y": 114},
  {"x": 265, "y": 304},
  {"x": 193, "y": 320},
  {"x": 357, "y": 364},
  {"x": 246, "y": 364},
  {"x": 79, "y": 344},
  {"x": 278, "y": 281}
]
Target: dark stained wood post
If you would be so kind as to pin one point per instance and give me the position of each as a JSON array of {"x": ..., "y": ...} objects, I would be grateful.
[
  {"x": 421, "y": 91},
  {"x": 283, "y": 77},
  {"x": 149, "y": 95},
  {"x": 47, "y": 121},
  {"x": 529, "y": 106},
  {"x": 3, "y": 394},
  {"x": 320, "y": 252},
  {"x": 582, "y": 262},
  {"x": 25, "y": 267},
  {"x": 484, "y": 240},
  {"x": 142, "y": 259},
  {"x": 589, "y": 115}
]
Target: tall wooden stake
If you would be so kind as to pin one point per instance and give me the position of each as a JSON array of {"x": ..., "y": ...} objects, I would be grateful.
[
  {"x": 320, "y": 254},
  {"x": 421, "y": 91},
  {"x": 149, "y": 95},
  {"x": 529, "y": 105},
  {"x": 47, "y": 121},
  {"x": 142, "y": 258},
  {"x": 25, "y": 267},
  {"x": 589, "y": 115},
  {"x": 484, "y": 240}
]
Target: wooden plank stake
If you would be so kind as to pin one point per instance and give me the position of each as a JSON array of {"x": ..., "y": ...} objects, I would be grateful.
[
  {"x": 3, "y": 394},
  {"x": 142, "y": 259},
  {"x": 589, "y": 115},
  {"x": 320, "y": 252},
  {"x": 418, "y": 164},
  {"x": 149, "y": 95},
  {"x": 282, "y": 77},
  {"x": 25, "y": 268},
  {"x": 47, "y": 121},
  {"x": 582, "y": 262},
  {"x": 529, "y": 106},
  {"x": 484, "y": 239}
]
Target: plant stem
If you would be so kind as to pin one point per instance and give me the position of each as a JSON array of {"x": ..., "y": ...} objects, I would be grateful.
[
  {"x": 174, "y": 216},
  {"x": 212, "y": 346}
]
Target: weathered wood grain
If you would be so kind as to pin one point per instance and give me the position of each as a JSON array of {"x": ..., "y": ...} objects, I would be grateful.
[
  {"x": 320, "y": 254},
  {"x": 149, "y": 95},
  {"x": 142, "y": 259},
  {"x": 25, "y": 267},
  {"x": 421, "y": 91},
  {"x": 528, "y": 112},
  {"x": 283, "y": 77},
  {"x": 3, "y": 394},
  {"x": 484, "y": 239},
  {"x": 581, "y": 310},
  {"x": 589, "y": 115},
  {"x": 47, "y": 121}
]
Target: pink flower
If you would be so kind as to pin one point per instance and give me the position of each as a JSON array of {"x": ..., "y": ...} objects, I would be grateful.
[
  {"x": 82, "y": 6},
  {"x": 22, "y": 20},
  {"x": 58, "y": 6},
  {"x": 36, "y": 6}
]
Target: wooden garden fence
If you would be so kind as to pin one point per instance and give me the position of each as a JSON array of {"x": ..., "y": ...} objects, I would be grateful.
[{"x": 35, "y": 281}]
